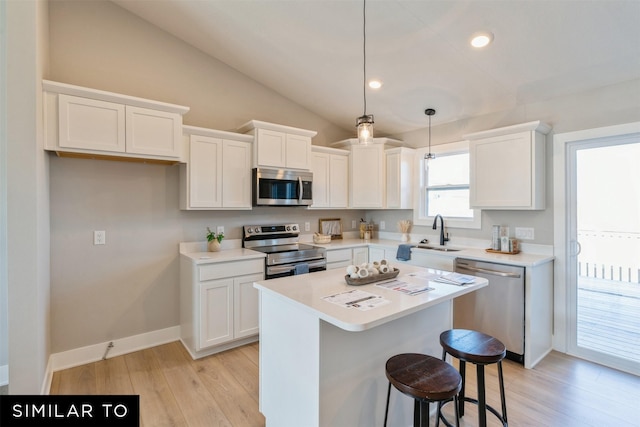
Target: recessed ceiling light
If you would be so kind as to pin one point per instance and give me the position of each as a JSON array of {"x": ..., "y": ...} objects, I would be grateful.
[
  {"x": 481, "y": 39},
  {"x": 375, "y": 84}
]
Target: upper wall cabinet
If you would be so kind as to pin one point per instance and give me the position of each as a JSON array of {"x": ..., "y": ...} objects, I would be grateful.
[
  {"x": 330, "y": 167},
  {"x": 84, "y": 122},
  {"x": 368, "y": 173},
  {"x": 278, "y": 146},
  {"x": 399, "y": 176},
  {"x": 508, "y": 167},
  {"x": 217, "y": 173}
]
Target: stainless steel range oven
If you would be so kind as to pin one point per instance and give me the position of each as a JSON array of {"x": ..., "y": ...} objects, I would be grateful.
[{"x": 285, "y": 255}]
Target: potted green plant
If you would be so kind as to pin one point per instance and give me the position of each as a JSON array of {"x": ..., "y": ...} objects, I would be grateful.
[{"x": 214, "y": 240}]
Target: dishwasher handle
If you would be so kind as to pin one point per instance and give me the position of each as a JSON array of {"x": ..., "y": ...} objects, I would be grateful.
[{"x": 487, "y": 271}]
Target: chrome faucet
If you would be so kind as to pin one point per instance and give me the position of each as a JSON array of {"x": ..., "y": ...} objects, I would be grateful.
[{"x": 443, "y": 238}]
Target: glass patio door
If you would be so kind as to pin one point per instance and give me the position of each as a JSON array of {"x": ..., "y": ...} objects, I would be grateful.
[{"x": 604, "y": 241}]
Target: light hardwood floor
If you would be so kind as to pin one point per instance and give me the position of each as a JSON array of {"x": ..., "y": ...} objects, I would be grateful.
[{"x": 222, "y": 390}]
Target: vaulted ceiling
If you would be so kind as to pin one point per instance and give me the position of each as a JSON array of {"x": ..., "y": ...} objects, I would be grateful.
[{"x": 311, "y": 51}]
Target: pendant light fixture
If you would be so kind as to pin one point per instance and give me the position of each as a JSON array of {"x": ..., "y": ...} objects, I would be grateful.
[
  {"x": 430, "y": 112},
  {"x": 364, "y": 123}
]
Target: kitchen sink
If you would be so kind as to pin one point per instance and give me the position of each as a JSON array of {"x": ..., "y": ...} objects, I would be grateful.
[{"x": 437, "y": 248}]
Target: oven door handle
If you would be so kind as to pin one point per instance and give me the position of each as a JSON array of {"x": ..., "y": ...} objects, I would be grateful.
[
  {"x": 300, "y": 189},
  {"x": 278, "y": 269}
]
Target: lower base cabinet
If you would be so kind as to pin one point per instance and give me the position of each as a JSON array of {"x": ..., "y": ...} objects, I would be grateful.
[
  {"x": 218, "y": 305},
  {"x": 341, "y": 258}
]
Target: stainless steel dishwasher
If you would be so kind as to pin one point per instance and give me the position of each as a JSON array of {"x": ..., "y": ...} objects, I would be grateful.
[{"x": 497, "y": 309}]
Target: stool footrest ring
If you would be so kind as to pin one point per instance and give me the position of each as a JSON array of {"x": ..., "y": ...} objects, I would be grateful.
[{"x": 474, "y": 401}]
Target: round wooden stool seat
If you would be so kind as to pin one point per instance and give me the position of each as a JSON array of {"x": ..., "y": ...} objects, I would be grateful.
[
  {"x": 425, "y": 379},
  {"x": 480, "y": 349},
  {"x": 472, "y": 346}
]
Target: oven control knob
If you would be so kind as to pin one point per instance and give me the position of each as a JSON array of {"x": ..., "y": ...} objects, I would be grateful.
[
  {"x": 295, "y": 227},
  {"x": 288, "y": 228},
  {"x": 257, "y": 229},
  {"x": 249, "y": 231}
]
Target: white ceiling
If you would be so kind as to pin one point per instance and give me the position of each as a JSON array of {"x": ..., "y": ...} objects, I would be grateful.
[{"x": 310, "y": 51}]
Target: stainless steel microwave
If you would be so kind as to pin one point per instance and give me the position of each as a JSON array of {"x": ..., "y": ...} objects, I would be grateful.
[{"x": 281, "y": 187}]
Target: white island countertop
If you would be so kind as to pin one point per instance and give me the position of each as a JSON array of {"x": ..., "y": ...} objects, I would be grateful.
[{"x": 309, "y": 291}]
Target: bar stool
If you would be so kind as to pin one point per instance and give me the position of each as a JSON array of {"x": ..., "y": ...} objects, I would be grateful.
[
  {"x": 426, "y": 379},
  {"x": 480, "y": 349}
]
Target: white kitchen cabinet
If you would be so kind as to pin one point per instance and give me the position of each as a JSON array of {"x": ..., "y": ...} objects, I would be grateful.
[
  {"x": 217, "y": 172},
  {"x": 431, "y": 259},
  {"x": 330, "y": 169},
  {"x": 367, "y": 176},
  {"x": 367, "y": 172},
  {"x": 218, "y": 304},
  {"x": 399, "y": 178},
  {"x": 341, "y": 258},
  {"x": 278, "y": 146},
  {"x": 84, "y": 122},
  {"x": 507, "y": 167}
]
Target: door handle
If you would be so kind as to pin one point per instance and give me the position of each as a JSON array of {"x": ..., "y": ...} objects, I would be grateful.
[
  {"x": 488, "y": 271},
  {"x": 300, "y": 188}
]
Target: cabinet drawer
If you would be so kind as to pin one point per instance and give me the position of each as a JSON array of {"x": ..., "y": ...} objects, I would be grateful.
[
  {"x": 339, "y": 255},
  {"x": 230, "y": 269}
]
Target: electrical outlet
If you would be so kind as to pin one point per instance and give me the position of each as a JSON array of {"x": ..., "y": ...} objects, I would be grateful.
[
  {"x": 353, "y": 224},
  {"x": 220, "y": 229},
  {"x": 100, "y": 237},
  {"x": 524, "y": 233},
  {"x": 383, "y": 225},
  {"x": 307, "y": 226}
]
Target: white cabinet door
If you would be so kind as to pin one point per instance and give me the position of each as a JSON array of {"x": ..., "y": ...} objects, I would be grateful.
[
  {"x": 216, "y": 318},
  {"x": 90, "y": 124},
  {"x": 245, "y": 310},
  {"x": 236, "y": 174},
  {"x": 338, "y": 181},
  {"x": 271, "y": 148},
  {"x": 298, "y": 152},
  {"x": 151, "y": 132},
  {"x": 367, "y": 176},
  {"x": 507, "y": 167},
  {"x": 320, "y": 163},
  {"x": 205, "y": 172},
  {"x": 399, "y": 178},
  {"x": 360, "y": 255}
]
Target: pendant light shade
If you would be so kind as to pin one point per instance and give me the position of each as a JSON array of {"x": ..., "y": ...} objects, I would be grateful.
[
  {"x": 365, "y": 129},
  {"x": 430, "y": 112},
  {"x": 364, "y": 123}
]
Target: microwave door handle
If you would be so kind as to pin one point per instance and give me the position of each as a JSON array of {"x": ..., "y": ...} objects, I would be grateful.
[{"x": 300, "y": 188}]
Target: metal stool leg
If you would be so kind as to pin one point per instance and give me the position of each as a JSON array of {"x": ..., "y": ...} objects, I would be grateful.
[
  {"x": 455, "y": 405},
  {"x": 502, "y": 396},
  {"x": 386, "y": 411},
  {"x": 462, "y": 370},
  {"x": 482, "y": 403},
  {"x": 416, "y": 413}
]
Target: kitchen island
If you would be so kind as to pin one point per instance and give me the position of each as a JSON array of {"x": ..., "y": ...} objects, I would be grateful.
[{"x": 322, "y": 359}]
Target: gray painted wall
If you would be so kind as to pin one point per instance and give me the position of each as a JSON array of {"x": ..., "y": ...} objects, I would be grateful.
[{"x": 129, "y": 286}]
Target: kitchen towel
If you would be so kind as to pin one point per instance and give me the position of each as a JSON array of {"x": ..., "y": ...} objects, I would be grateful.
[
  {"x": 404, "y": 252},
  {"x": 301, "y": 269}
]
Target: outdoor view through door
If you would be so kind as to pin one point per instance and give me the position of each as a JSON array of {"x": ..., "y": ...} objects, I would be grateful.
[{"x": 606, "y": 186}]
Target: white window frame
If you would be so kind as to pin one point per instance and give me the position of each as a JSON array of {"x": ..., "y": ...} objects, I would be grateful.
[{"x": 420, "y": 216}]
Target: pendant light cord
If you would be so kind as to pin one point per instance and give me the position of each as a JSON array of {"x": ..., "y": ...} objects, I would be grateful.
[{"x": 364, "y": 55}]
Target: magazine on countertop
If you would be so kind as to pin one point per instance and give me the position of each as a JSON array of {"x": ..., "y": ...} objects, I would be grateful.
[{"x": 456, "y": 279}]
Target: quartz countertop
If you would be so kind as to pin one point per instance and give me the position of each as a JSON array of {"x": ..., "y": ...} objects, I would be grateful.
[
  {"x": 308, "y": 292},
  {"x": 522, "y": 259},
  {"x": 225, "y": 255}
]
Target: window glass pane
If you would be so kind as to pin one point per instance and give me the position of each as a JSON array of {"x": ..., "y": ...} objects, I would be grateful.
[
  {"x": 449, "y": 203},
  {"x": 449, "y": 170}
]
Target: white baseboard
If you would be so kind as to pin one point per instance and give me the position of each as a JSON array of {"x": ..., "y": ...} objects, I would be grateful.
[
  {"x": 93, "y": 353},
  {"x": 4, "y": 375}
]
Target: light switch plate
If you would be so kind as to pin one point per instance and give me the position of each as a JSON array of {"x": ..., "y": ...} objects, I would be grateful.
[
  {"x": 220, "y": 229},
  {"x": 383, "y": 225},
  {"x": 307, "y": 226}
]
